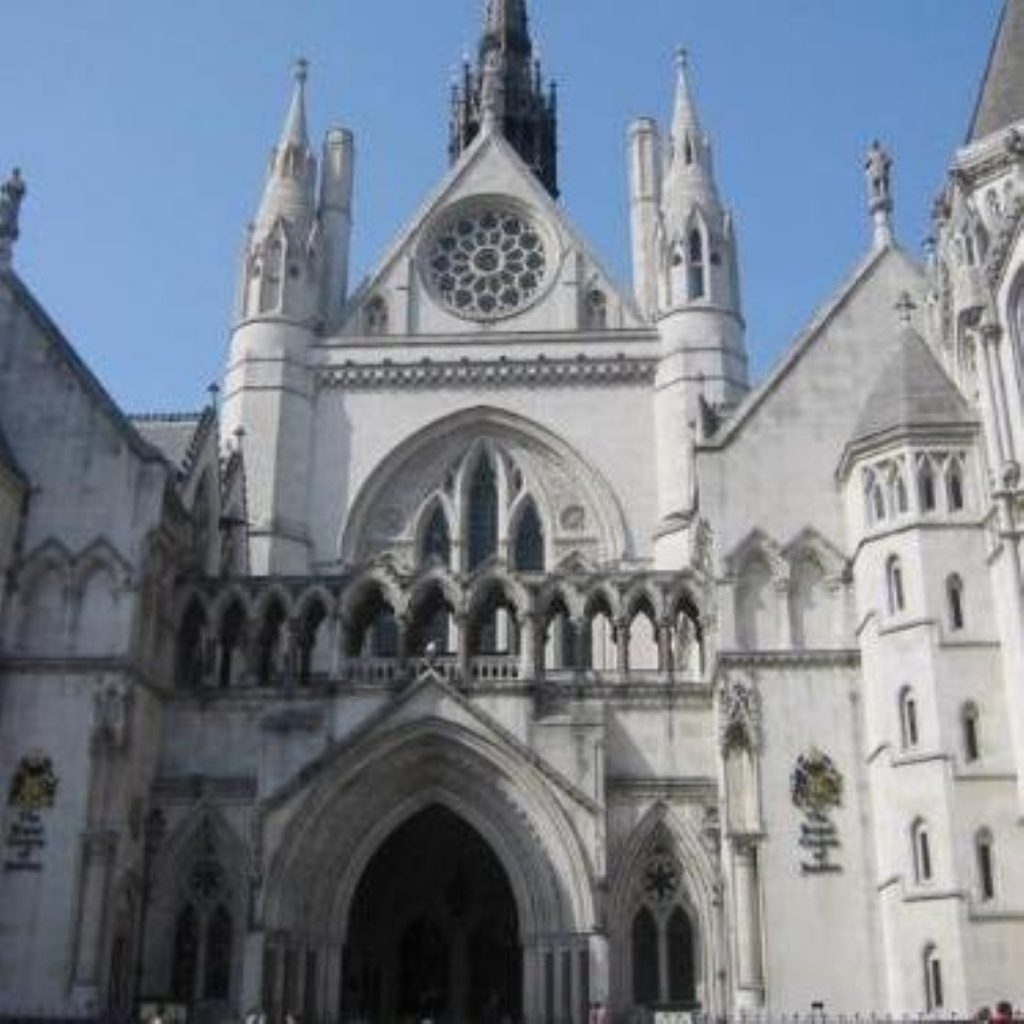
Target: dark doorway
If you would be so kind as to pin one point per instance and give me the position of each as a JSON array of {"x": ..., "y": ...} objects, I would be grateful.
[{"x": 433, "y": 930}]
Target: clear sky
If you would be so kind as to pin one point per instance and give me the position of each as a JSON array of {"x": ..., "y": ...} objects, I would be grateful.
[{"x": 143, "y": 128}]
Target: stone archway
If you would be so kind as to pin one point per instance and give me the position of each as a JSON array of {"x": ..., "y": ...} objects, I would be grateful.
[
  {"x": 434, "y": 929},
  {"x": 327, "y": 837}
]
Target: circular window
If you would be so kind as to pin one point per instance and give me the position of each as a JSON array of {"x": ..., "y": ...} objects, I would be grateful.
[{"x": 487, "y": 261}]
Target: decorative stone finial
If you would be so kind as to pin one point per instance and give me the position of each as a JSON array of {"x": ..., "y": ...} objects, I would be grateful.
[
  {"x": 878, "y": 171},
  {"x": 682, "y": 58},
  {"x": 12, "y": 192},
  {"x": 301, "y": 70}
]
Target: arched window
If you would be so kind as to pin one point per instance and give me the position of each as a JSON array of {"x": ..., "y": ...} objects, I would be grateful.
[
  {"x": 190, "y": 647},
  {"x": 933, "y": 994},
  {"x": 971, "y": 732},
  {"x": 895, "y": 599},
  {"x": 436, "y": 547},
  {"x": 955, "y": 485},
  {"x": 270, "y": 667},
  {"x": 599, "y": 636},
  {"x": 900, "y": 501},
  {"x": 373, "y": 632},
  {"x": 219, "y": 934},
  {"x": 596, "y": 310},
  {"x": 645, "y": 958},
  {"x": 681, "y": 967},
  {"x": 908, "y": 718},
  {"x": 695, "y": 276},
  {"x": 375, "y": 316},
  {"x": 986, "y": 864},
  {"x": 185, "y": 960},
  {"x": 432, "y": 624},
  {"x": 875, "y": 497},
  {"x": 955, "y": 601},
  {"x": 483, "y": 514},
  {"x": 232, "y": 646},
  {"x": 528, "y": 550},
  {"x": 921, "y": 851},
  {"x": 926, "y": 485},
  {"x": 559, "y": 637}
]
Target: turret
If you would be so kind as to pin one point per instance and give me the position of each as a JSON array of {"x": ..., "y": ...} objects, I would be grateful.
[
  {"x": 336, "y": 219},
  {"x": 294, "y": 270},
  {"x": 693, "y": 295}
]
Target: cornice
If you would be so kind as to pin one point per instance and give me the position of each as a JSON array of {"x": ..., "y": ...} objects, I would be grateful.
[
  {"x": 843, "y": 657},
  {"x": 694, "y": 790},
  {"x": 541, "y": 371}
]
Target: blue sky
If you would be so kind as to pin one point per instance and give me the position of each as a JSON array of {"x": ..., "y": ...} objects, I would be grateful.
[{"x": 143, "y": 130}]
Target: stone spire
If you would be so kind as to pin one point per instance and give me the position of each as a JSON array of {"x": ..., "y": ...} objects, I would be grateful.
[
  {"x": 291, "y": 180},
  {"x": 505, "y": 92},
  {"x": 689, "y": 169},
  {"x": 878, "y": 175},
  {"x": 1001, "y": 99},
  {"x": 12, "y": 192}
]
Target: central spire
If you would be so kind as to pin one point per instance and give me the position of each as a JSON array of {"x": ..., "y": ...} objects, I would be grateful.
[{"x": 504, "y": 92}]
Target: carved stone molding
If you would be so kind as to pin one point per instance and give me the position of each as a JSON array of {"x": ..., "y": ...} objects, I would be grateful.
[
  {"x": 503, "y": 371},
  {"x": 739, "y": 713}
]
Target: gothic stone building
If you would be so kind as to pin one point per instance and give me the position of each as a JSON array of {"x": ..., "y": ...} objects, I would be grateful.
[{"x": 496, "y": 647}]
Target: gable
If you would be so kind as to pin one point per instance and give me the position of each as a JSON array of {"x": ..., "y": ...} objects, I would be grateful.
[
  {"x": 489, "y": 250},
  {"x": 811, "y": 404}
]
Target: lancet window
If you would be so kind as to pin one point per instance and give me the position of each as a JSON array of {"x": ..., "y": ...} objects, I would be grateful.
[
  {"x": 483, "y": 514},
  {"x": 696, "y": 269}
]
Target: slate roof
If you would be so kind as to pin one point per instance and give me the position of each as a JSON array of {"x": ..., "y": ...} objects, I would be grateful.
[
  {"x": 912, "y": 391},
  {"x": 177, "y": 436},
  {"x": 1001, "y": 100}
]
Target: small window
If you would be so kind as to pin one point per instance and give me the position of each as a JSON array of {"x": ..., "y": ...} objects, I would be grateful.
[
  {"x": 528, "y": 550},
  {"x": 375, "y": 316},
  {"x": 971, "y": 732},
  {"x": 986, "y": 865},
  {"x": 926, "y": 485},
  {"x": 955, "y": 486},
  {"x": 908, "y": 718},
  {"x": 899, "y": 492},
  {"x": 955, "y": 602},
  {"x": 933, "y": 995},
  {"x": 875, "y": 499},
  {"x": 597, "y": 309},
  {"x": 896, "y": 601},
  {"x": 921, "y": 851},
  {"x": 437, "y": 545},
  {"x": 696, "y": 265}
]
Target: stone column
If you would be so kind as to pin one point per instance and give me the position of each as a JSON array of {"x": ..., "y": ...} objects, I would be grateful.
[
  {"x": 531, "y": 656},
  {"x": 462, "y": 631},
  {"x": 98, "y": 849},
  {"x": 784, "y": 627},
  {"x": 665, "y": 646},
  {"x": 749, "y": 973},
  {"x": 622, "y": 648},
  {"x": 252, "y": 968},
  {"x": 331, "y": 974},
  {"x": 402, "y": 658}
]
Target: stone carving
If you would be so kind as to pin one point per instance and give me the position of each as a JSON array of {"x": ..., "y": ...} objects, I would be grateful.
[
  {"x": 661, "y": 877},
  {"x": 817, "y": 789},
  {"x": 878, "y": 169},
  {"x": 111, "y": 714},
  {"x": 739, "y": 714},
  {"x": 573, "y": 518},
  {"x": 428, "y": 373},
  {"x": 12, "y": 192},
  {"x": 34, "y": 786}
]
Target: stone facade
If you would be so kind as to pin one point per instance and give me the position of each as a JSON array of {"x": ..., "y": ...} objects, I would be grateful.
[{"x": 495, "y": 648}]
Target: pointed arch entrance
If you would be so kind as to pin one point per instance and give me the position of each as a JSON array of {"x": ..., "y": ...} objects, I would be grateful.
[
  {"x": 434, "y": 929},
  {"x": 363, "y": 846}
]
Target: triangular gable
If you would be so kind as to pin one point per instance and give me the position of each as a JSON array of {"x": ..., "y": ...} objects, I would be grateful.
[
  {"x": 490, "y": 166},
  {"x": 806, "y": 340},
  {"x": 431, "y": 697}
]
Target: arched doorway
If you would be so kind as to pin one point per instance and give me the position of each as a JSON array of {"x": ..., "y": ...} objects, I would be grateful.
[{"x": 433, "y": 930}]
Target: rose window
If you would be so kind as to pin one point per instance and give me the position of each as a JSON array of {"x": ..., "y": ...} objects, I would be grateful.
[{"x": 487, "y": 263}]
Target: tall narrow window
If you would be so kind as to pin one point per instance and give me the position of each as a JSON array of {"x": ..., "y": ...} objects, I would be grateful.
[
  {"x": 695, "y": 251},
  {"x": 969, "y": 723},
  {"x": 955, "y": 601},
  {"x": 922, "y": 852},
  {"x": 875, "y": 498},
  {"x": 437, "y": 545},
  {"x": 955, "y": 485},
  {"x": 375, "y": 316},
  {"x": 483, "y": 514},
  {"x": 186, "y": 956},
  {"x": 899, "y": 492},
  {"x": 933, "y": 995},
  {"x": 986, "y": 865},
  {"x": 926, "y": 485},
  {"x": 217, "y": 983},
  {"x": 682, "y": 986},
  {"x": 645, "y": 958},
  {"x": 908, "y": 718},
  {"x": 894, "y": 585},
  {"x": 528, "y": 553}
]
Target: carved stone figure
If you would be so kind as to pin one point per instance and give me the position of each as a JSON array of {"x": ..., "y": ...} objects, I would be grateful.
[{"x": 12, "y": 192}]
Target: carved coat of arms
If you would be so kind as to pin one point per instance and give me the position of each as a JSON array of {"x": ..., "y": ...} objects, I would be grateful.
[{"x": 34, "y": 786}]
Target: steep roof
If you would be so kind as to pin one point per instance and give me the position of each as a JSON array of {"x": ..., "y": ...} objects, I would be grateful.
[
  {"x": 177, "y": 436},
  {"x": 1001, "y": 100},
  {"x": 912, "y": 391}
]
